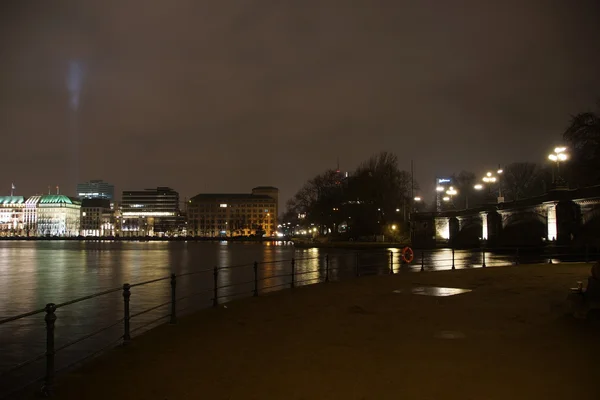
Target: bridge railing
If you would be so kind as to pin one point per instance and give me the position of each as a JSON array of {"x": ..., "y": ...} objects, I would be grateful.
[{"x": 214, "y": 286}]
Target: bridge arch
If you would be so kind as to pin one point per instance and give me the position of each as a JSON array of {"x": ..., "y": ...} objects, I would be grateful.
[{"x": 524, "y": 228}]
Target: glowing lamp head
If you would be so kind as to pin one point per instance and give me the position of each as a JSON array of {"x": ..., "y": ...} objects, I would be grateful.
[
  {"x": 394, "y": 227},
  {"x": 417, "y": 198},
  {"x": 553, "y": 157},
  {"x": 500, "y": 171},
  {"x": 446, "y": 198},
  {"x": 478, "y": 187},
  {"x": 559, "y": 150},
  {"x": 489, "y": 174},
  {"x": 562, "y": 157},
  {"x": 439, "y": 188}
]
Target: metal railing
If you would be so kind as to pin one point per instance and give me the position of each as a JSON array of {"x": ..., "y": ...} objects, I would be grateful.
[{"x": 328, "y": 268}]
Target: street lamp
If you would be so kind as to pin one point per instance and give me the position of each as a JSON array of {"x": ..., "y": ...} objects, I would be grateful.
[
  {"x": 558, "y": 156},
  {"x": 490, "y": 179},
  {"x": 479, "y": 186},
  {"x": 417, "y": 198}
]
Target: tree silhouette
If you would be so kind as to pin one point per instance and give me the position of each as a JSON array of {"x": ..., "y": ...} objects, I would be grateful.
[
  {"x": 521, "y": 180},
  {"x": 583, "y": 137}
]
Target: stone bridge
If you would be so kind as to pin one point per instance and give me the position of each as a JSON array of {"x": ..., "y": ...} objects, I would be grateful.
[{"x": 561, "y": 216}]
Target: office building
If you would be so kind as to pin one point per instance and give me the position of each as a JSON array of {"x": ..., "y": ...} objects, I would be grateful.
[
  {"x": 151, "y": 212},
  {"x": 212, "y": 215},
  {"x": 95, "y": 189},
  {"x": 97, "y": 218}
]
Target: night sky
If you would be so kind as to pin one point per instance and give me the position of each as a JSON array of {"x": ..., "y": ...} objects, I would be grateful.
[{"x": 221, "y": 96}]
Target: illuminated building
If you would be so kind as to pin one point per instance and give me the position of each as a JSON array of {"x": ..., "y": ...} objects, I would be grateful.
[
  {"x": 441, "y": 186},
  {"x": 30, "y": 215},
  {"x": 95, "y": 189},
  {"x": 57, "y": 215},
  {"x": 211, "y": 215},
  {"x": 11, "y": 215},
  {"x": 150, "y": 212},
  {"x": 97, "y": 218}
]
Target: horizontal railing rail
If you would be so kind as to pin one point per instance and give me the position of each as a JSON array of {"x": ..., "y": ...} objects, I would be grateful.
[{"x": 288, "y": 273}]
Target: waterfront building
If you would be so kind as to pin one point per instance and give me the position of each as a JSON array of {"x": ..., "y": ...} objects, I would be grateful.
[
  {"x": 30, "y": 215},
  {"x": 97, "y": 218},
  {"x": 234, "y": 214},
  {"x": 11, "y": 215},
  {"x": 96, "y": 189},
  {"x": 56, "y": 215},
  {"x": 151, "y": 212}
]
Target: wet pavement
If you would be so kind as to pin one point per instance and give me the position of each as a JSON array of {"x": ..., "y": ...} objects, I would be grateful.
[{"x": 507, "y": 338}]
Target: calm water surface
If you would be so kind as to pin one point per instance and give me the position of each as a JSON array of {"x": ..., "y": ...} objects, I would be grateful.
[{"x": 33, "y": 274}]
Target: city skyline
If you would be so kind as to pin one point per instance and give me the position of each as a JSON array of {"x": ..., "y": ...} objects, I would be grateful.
[{"x": 226, "y": 94}]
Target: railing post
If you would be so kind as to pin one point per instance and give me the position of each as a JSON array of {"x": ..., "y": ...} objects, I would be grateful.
[
  {"x": 453, "y": 267},
  {"x": 173, "y": 300},
  {"x": 50, "y": 319},
  {"x": 126, "y": 296},
  {"x": 357, "y": 265},
  {"x": 422, "y": 260},
  {"x": 255, "y": 279},
  {"x": 391, "y": 262},
  {"x": 327, "y": 268},
  {"x": 483, "y": 257},
  {"x": 216, "y": 286},
  {"x": 292, "y": 284},
  {"x": 517, "y": 257}
]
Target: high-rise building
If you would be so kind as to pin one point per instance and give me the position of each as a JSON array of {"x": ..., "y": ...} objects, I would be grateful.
[
  {"x": 96, "y": 189},
  {"x": 237, "y": 214},
  {"x": 150, "y": 212}
]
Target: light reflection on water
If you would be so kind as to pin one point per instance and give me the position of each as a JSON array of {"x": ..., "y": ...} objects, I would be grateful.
[{"x": 35, "y": 273}]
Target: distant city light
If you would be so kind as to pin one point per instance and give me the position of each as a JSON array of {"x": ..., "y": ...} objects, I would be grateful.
[
  {"x": 439, "y": 188},
  {"x": 223, "y": 205},
  {"x": 478, "y": 186},
  {"x": 394, "y": 227},
  {"x": 417, "y": 198},
  {"x": 446, "y": 198}
]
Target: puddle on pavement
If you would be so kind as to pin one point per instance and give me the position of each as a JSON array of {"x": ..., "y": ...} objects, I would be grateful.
[
  {"x": 434, "y": 291},
  {"x": 450, "y": 335}
]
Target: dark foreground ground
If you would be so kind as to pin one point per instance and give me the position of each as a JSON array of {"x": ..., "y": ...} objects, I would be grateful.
[{"x": 507, "y": 339}]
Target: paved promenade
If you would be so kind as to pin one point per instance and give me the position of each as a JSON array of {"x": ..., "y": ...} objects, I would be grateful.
[{"x": 360, "y": 339}]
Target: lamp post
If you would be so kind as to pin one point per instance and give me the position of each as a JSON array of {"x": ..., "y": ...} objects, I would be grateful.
[
  {"x": 449, "y": 195},
  {"x": 558, "y": 156},
  {"x": 490, "y": 179}
]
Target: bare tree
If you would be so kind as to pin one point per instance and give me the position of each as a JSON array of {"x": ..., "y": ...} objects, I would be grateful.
[
  {"x": 521, "y": 180},
  {"x": 583, "y": 137}
]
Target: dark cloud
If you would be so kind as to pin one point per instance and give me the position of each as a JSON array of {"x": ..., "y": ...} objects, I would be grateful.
[{"x": 227, "y": 95}]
